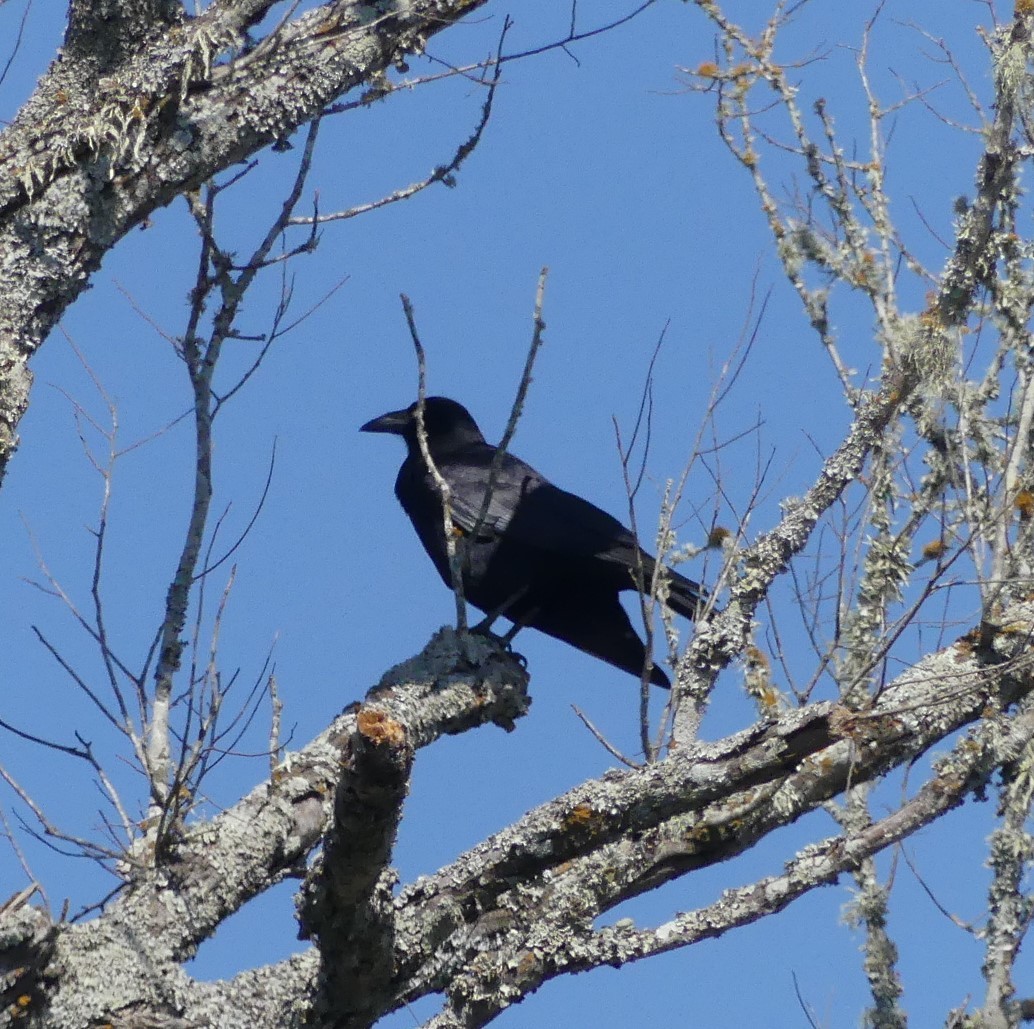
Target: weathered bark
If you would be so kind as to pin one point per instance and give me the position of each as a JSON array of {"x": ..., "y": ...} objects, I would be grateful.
[
  {"x": 518, "y": 909},
  {"x": 125, "y": 966}
]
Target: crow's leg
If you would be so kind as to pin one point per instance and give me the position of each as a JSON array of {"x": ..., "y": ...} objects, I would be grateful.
[
  {"x": 519, "y": 624},
  {"x": 485, "y": 625}
]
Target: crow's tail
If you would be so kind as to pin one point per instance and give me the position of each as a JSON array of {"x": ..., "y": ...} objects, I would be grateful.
[{"x": 685, "y": 597}]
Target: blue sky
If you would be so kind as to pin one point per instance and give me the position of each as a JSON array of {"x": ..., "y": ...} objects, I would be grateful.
[{"x": 608, "y": 170}]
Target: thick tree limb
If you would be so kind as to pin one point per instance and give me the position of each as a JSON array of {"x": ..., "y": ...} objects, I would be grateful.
[
  {"x": 137, "y": 946},
  {"x": 609, "y": 840},
  {"x": 348, "y": 900},
  {"x": 519, "y": 909}
]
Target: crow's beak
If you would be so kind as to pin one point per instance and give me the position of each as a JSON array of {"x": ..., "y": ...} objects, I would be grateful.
[{"x": 394, "y": 422}]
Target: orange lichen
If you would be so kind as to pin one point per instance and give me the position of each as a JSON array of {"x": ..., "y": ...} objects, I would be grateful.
[
  {"x": 582, "y": 816},
  {"x": 1024, "y": 502},
  {"x": 933, "y": 549},
  {"x": 378, "y": 728},
  {"x": 717, "y": 536}
]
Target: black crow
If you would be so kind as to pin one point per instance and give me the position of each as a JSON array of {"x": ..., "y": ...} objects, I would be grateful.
[{"x": 541, "y": 556}]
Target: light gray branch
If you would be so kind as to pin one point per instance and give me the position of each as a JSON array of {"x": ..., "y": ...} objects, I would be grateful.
[
  {"x": 633, "y": 830},
  {"x": 546, "y": 928}
]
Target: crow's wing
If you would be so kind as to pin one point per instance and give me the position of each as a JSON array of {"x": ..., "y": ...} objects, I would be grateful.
[
  {"x": 534, "y": 514},
  {"x": 530, "y": 510}
]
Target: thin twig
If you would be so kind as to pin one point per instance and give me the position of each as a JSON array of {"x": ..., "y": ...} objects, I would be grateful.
[{"x": 448, "y": 524}]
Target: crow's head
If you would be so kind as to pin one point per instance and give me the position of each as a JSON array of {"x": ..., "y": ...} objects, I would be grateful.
[{"x": 448, "y": 424}]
